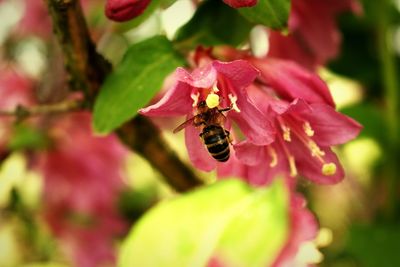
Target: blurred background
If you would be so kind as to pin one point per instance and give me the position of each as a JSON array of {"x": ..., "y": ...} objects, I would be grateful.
[{"x": 48, "y": 213}]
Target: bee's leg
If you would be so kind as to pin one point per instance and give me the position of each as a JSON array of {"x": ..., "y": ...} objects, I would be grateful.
[
  {"x": 224, "y": 109},
  {"x": 228, "y": 134},
  {"x": 197, "y": 124}
]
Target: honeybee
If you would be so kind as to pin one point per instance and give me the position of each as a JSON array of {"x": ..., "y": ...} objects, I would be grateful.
[{"x": 213, "y": 135}]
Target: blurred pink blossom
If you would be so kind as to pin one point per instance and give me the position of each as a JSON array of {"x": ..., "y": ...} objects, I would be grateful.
[
  {"x": 240, "y": 3},
  {"x": 15, "y": 89},
  {"x": 303, "y": 227},
  {"x": 82, "y": 182},
  {"x": 313, "y": 37}
]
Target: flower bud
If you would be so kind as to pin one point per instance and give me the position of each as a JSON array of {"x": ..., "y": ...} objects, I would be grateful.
[
  {"x": 123, "y": 10},
  {"x": 241, "y": 3}
]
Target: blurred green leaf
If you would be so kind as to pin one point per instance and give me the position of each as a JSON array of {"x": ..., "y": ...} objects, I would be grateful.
[
  {"x": 25, "y": 137},
  {"x": 270, "y": 13},
  {"x": 228, "y": 220},
  {"x": 375, "y": 245},
  {"x": 134, "y": 82},
  {"x": 371, "y": 118},
  {"x": 214, "y": 23}
]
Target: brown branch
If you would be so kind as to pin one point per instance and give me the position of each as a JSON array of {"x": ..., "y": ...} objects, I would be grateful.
[
  {"x": 87, "y": 70},
  {"x": 22, "y": 112}
]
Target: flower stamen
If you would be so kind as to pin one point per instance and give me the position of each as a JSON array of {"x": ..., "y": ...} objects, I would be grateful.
[
  {"x": 195, "y": 98},
  {"x": 286, "y": 133},
  {"x": 292, "y": 166},
  {"x": 307, "y": 129},
  {"x": 215, "y": 88},
  {"x": 233, "y": 99},
  {"x": 274, "y": 157},
  {"x": 315, "y": 150}
]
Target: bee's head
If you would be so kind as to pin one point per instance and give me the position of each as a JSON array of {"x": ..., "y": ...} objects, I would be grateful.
[{"x": 202, "y": 107}]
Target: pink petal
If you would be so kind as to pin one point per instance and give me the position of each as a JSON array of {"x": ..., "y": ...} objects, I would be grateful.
[
  {"x": 197, "y": 151},
  {"x": 288, "y": 48},
  {"x": 204, "y": 77},
  {"x": 254, "y": 124},
  {"x": 123, "y": 10},
  {"x": 313, "y": 40},
  {"x": 291, "y": 81},
  {"x": 331, "y": 127},
  {"x": 240, "y": 3},
  {"x": 232, "y": 168},
  {"x": 240, "y": 73},
  {"x": 311, "y": 168},
  {"x": 249, "y": 154},
  {"x": 303, "y": 227},
  {"x": 176, "y": 102}
]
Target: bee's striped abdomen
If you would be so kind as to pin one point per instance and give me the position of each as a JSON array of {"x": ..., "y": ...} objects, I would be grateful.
[{"x": 216, "y": 141}]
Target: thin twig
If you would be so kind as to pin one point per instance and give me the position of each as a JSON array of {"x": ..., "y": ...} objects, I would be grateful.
[
  {"x": 87, "y": 70},
  {"x": 21, "y": 112}
]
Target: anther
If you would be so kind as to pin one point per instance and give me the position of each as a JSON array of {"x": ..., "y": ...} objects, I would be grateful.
[
  {"x": 274, "y": 157},
  {"x": 215, "y": 88},
  {"x": 233, "y": 100},
  {"x": 307, "y": 129},
  {"x": 329, "y": 169},
  {"x": 212, "y": 100},
  {"x": 286, "y": 133},
  {"x": 292, "y": 166},
  {"x": 195, "y": 98}
]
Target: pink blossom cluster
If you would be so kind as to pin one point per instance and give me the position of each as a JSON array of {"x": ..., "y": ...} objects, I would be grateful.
[{"x": 82, "y": 173}]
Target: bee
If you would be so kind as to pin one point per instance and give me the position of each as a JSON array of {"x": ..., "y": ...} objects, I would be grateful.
[{"x": 213, "y": 135}]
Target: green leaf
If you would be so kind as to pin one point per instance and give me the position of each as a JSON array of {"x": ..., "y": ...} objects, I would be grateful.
[
  {"x": 375, "y": 245},
  {"x": 228, "y": 220},
  {"x": 134, "y": 82},
  {"x": 270, "y": 13},
  {"x": 214, "y": 23}
]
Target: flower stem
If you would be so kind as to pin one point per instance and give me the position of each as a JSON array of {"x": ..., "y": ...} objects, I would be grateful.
[{"x": 391, "y": 97}]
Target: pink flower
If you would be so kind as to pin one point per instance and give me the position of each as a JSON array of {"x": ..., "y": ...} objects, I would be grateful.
[
  {"x": 35, "y": 19},
  {"x": 313, "y": 39},
  {"x": 304, "y": 134},
  {"x": 224, "y": 81},
  {"x": 290, "y": 81},
  {"x": 15, "y": 89},
  {"x": 82, "y": 183},
  {"x": 240, "y": 3},
  {"x": 123, "y": 10}
]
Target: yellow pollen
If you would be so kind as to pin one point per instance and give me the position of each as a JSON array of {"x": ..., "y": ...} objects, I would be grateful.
[
  {"x": 195, "y": 98},
  {"x": 212, "y": 100},
  {"x": 292, "y": 166},
  {"x": 324, "y": 237},
  {"x": 329, "y": 169},
  {"x": 274, "y": 157},
  {"x": 233, "y": 100},
  {"x": 307, "y": 129},
  {"x": 215, "y": 88},
  {"x": 315, "y": 150},
  {"x": 286, "y": 133}
]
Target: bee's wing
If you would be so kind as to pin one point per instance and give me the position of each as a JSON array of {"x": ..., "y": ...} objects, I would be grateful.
[{"x": 184, "y": 124}]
